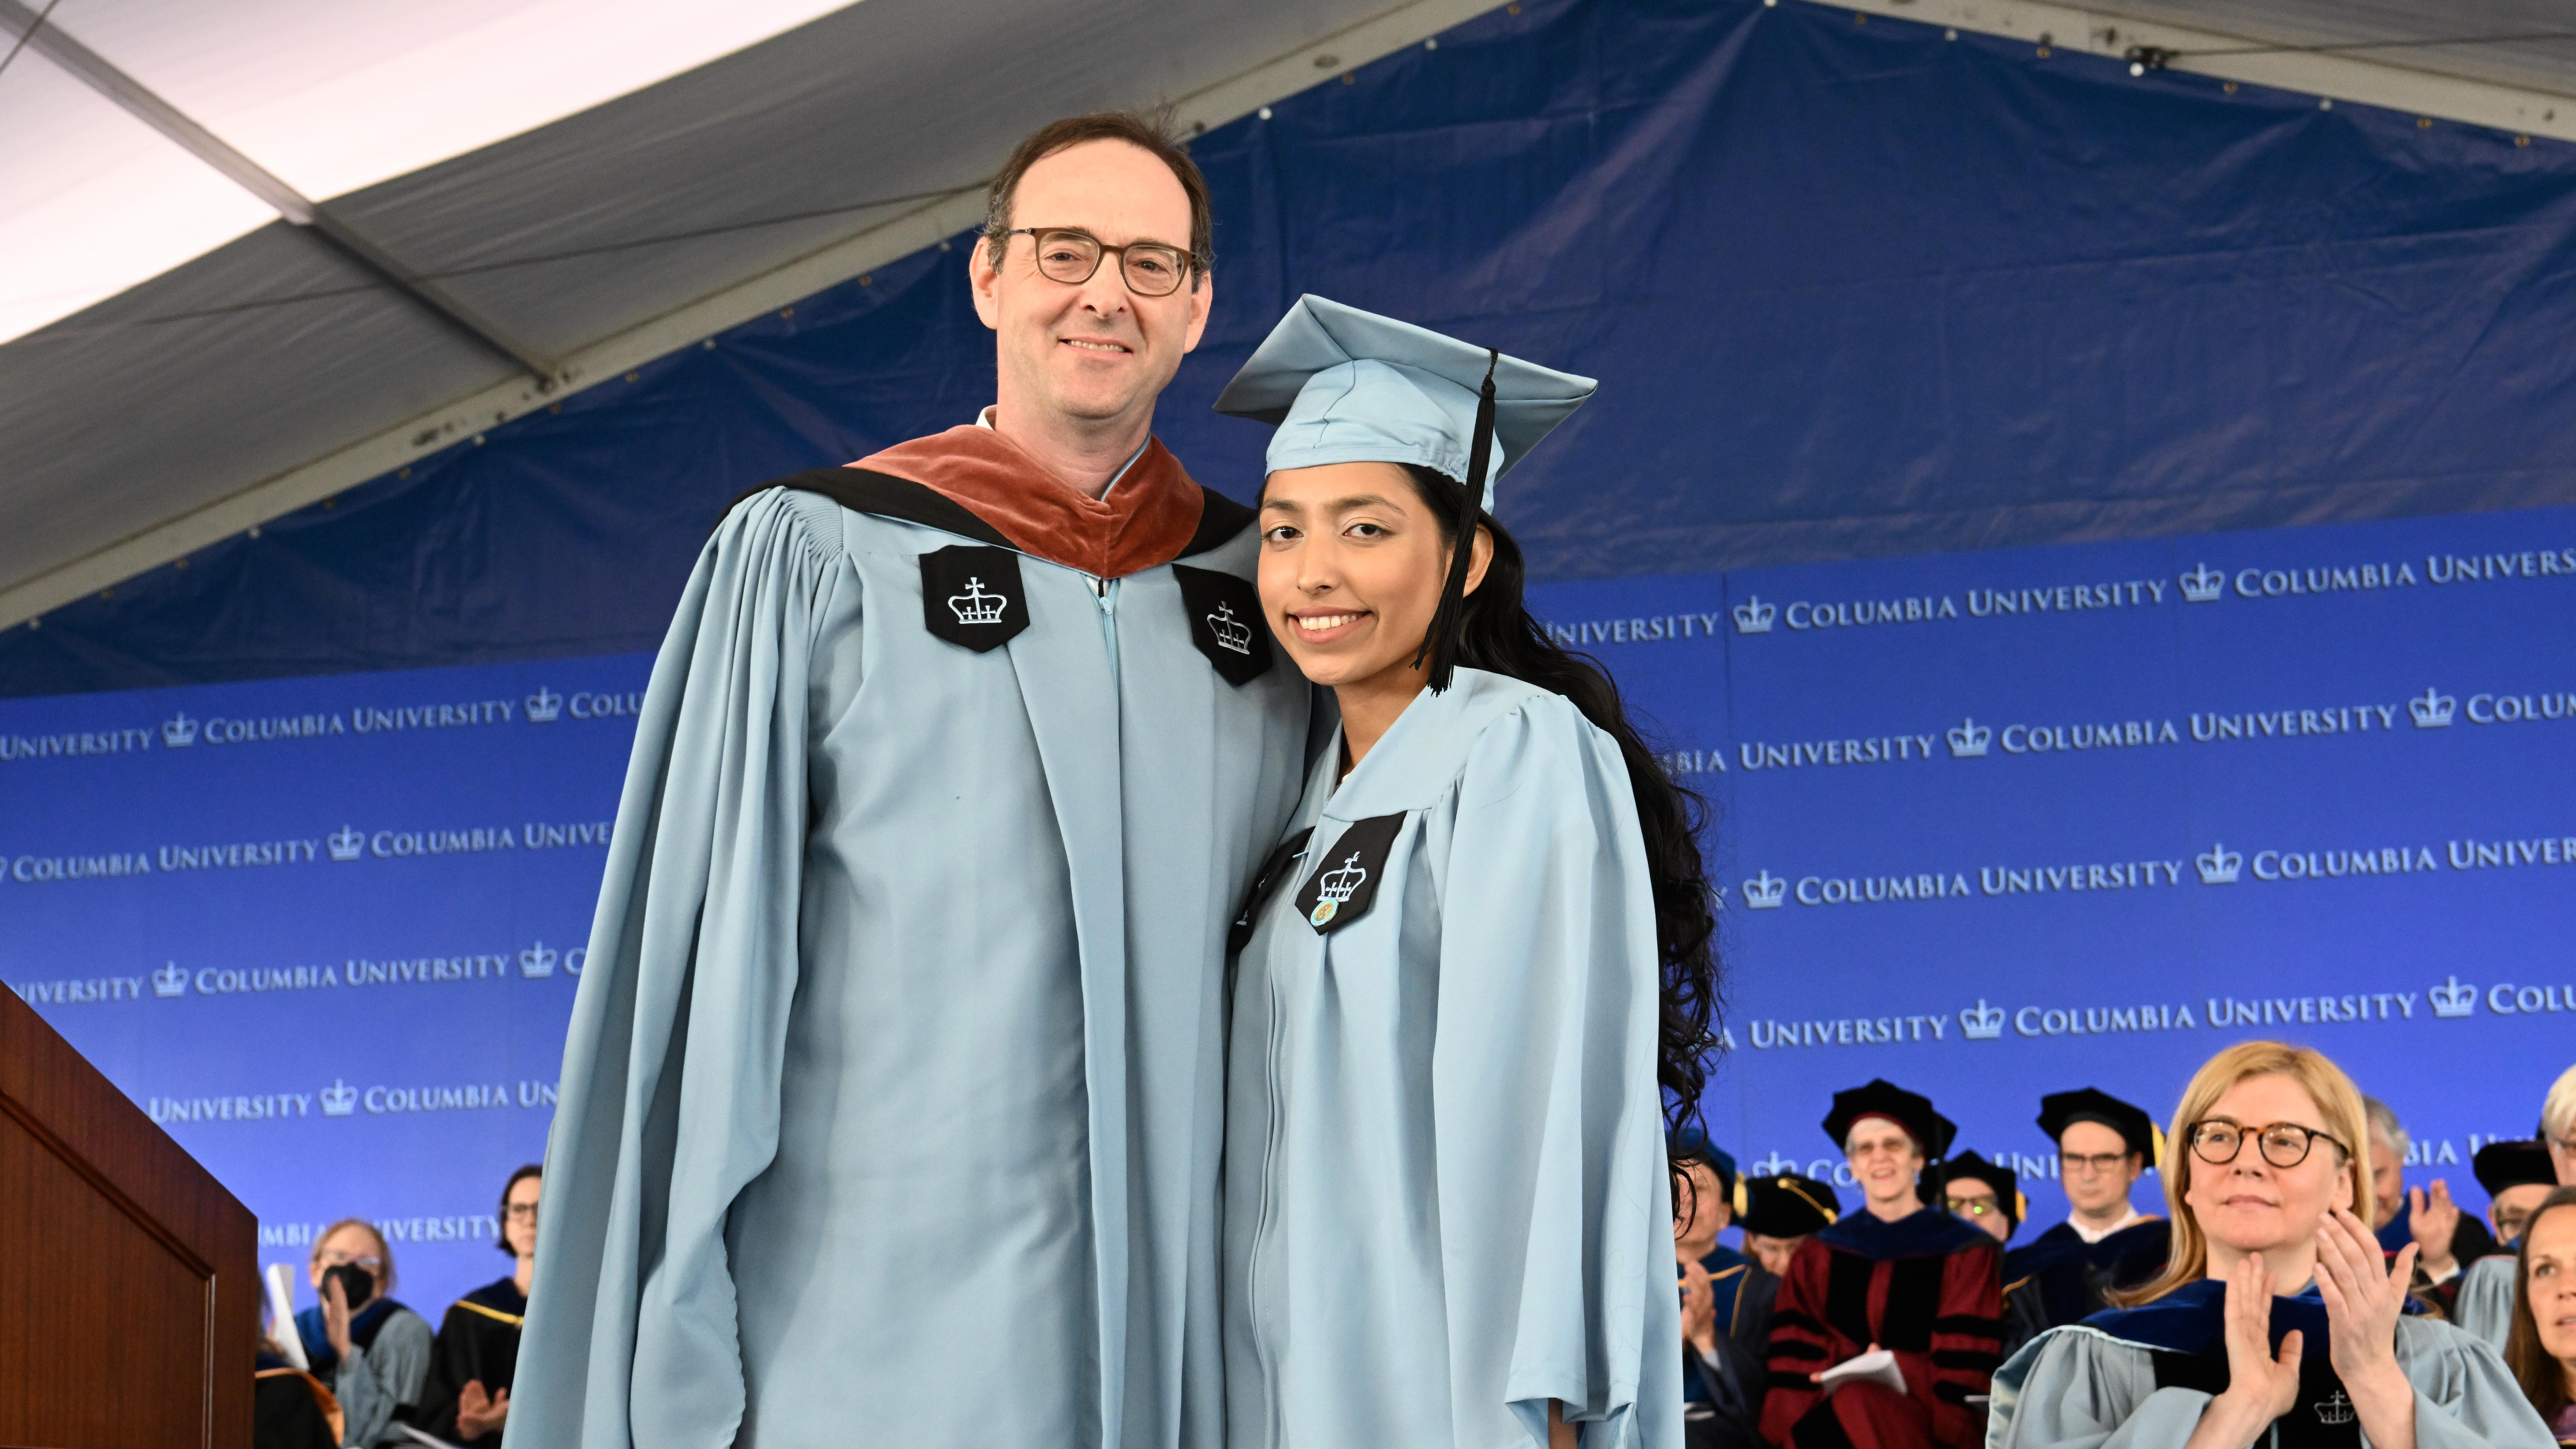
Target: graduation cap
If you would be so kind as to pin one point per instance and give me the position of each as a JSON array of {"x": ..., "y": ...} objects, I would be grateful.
[
  {"x": 2500, "y": 1165},
  {"x": 2061, "y": 1110},
  {"x": 1970, "y": 1167},
  {"x": 1912, "y": 1111},
  {"x": 1690, "y": 1144},
  {"x": 1785, "y": 1205},
  {"x": 1346, "y": 386}
]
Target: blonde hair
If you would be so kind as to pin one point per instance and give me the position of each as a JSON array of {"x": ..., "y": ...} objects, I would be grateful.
[
  {"x": 2337, "y": 1100},
  {"x": 384, "y": 1250},
  {"x": 2558, "y": 1109}
]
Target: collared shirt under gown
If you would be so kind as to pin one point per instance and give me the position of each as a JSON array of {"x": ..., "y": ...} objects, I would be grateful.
[
  {"x": 2139, "y": 1379},
  {"x": 1927, "y": 1288},
  {"x": 902, "y": 1029},
  {"x": 1446, "y": 1198}
]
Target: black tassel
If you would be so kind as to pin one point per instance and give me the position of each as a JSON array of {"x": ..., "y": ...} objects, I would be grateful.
[{"x": 1442, "y": 640}]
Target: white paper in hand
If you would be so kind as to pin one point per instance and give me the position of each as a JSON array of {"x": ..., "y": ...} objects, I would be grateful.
[
  {"x": 1877, "y": 1366},
  {"x": 281, "y": 1315}
]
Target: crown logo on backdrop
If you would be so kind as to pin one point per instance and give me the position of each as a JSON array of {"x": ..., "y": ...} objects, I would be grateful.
[
  {"x": 2334, "y": 1408},
  {"x": 1229, "y": 631},
  {"x": 2432, "y": 709},
  {"x": 1982, "y": 1022},
  {"x": 1765, "y": 891},
  {"x": 538, "y": 960},
  {"x": 2220, "y": 866},
  {"x": 339, "y": 1099},
  {"x": 544, "y": 705},
  {"x": 170, "y": 980},
  {"x": 2452, "y": 999},
  {"x": 1969, "y": 739},
  {"x": 346, "y": 843},
  {"x": 1754, "y": 616},
  {"x": 179, "y": 731},
  {"x": 976, "y": 606},
  {"x": 1337, "y": 887},
  {"x": 2202, "y": 585}
]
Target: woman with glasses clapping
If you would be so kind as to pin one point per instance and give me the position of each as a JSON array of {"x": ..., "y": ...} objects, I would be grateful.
[
  {"x": 368, "y": 1350},
  {"x": 2276, "y": 1321}
]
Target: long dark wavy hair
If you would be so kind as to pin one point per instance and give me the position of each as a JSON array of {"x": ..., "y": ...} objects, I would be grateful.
[{"x": 1497, "y": 634}]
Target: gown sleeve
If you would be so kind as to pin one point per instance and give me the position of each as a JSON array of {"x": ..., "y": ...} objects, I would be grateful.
[
  {"x": 2465, "y": 1397},
  {"x": 383, "y": 1376},
  {"x": 2074, "y": 1388},
  {"x": 669, "y": 1102},
  {"x": 1555, "y": 1208}
]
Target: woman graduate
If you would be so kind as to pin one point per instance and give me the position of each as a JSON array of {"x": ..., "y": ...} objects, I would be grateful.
[
  {"x": 1478, "y": 968},
  {"x": 1899, "y": 1275},
  {"x": 2269, "y": 1170}
]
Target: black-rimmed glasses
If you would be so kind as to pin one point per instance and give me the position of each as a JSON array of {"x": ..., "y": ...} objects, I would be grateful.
[
  {"x": 1067, "y": 255},
  {"x": 2283, "y": 1144}
]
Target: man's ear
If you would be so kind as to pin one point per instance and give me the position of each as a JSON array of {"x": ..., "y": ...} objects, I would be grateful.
[
  {"x": 984, "y": 280},
  {"x": 1202, "y": 301}
]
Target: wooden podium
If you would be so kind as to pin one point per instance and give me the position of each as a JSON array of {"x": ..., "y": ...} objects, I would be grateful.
[{"x": 129, "y": 1279}]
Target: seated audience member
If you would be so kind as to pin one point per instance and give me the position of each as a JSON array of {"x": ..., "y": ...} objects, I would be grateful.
[
  {"x": 2104, "y": 1145},
  {"x": 2267, "y": 1180},
  {"x": 1898, "y": 1275},
  {"x": 2541, "y": 1346},
  {"x": 289, "y": 1408},
  {"x": 467, "y": 1398},
  {"x": 371, "y": 1352},
  {"x": 2516, "y": 1175},
  {"x": 1984, "y": 1196},
  {"x": 2484, "y": 1305},
  {"x": 1780, "y": 1213},
  {"x": 2446, "y": 1240},
  {"x": 1726, "y": 1304}
]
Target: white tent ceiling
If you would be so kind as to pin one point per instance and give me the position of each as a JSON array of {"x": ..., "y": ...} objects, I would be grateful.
[{"x": 592, "y": 185}]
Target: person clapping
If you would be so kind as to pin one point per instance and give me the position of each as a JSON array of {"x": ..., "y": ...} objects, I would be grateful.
[{"x": 371, "y": 1352}]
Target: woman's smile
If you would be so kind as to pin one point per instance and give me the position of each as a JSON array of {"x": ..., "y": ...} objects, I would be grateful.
[{"x": 1317, "y": 626}]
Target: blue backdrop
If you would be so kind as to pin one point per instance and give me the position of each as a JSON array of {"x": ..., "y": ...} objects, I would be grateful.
[{"x": 300, "y": 841}]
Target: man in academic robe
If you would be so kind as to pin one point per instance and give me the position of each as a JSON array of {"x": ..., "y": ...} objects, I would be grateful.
[
  {"x": 2447, "y": 1240},
  {"x": 1726, "y": 1303},
  {"x": 1779, "y": 1212},
  {"x": 2517, "y": 1177},
  {"x": 902, "y": 1028},
  {"x": 1899, "y": 1277},
  {"x": 2104, "y": 1145},
  {"x": 1984, "y": 1195}
]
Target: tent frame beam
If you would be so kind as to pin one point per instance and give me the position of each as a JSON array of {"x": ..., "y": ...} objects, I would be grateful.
[{"x": 146, "y": 105}]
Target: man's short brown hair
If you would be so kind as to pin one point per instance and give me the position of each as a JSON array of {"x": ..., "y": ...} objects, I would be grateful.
[{"x": 1148, "y": 131}]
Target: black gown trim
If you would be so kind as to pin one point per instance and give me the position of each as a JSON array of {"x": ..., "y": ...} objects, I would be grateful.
[
  {"x": 1220, "y": 519},
  {"x": 884, "y": 495}
]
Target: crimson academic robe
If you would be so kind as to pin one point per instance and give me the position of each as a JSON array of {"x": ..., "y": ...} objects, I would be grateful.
[{"x": 1929, "y": 1289}]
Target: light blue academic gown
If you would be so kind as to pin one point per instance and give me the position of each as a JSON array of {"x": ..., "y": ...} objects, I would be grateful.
[
  {"x": 890, "y": 1108},
  {"x": 1445, "y": 1191}
]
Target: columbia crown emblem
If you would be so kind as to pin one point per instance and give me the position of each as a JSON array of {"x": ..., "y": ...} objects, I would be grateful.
[
  {"x": 179, "y": 731},
  {"x": 544, "y": 705},
  {"x": 538, "y": 960},
  {"x": 170, "y": 980},
  {"x": 346, "y": 843},
  {"x": 1968, "y": 740},
  {"x": 1982, "y": 1022},
  {"x": 1754, "y": 616},
  {"x": 1338, "y": 887},
  {"x": 2219, "y": 866},
  {"x": 339, "y": 1099},
  {"x": 2432, "y": 709},
  {"x": 976, "y": 606},
  {"x": 1765, "y": 891},
  {"x": 2452, "y": 999},
  {"x": 2334, "y": 1408},
  {"x": 2202, "y": 585},
  {"x": 1229, "y": 631}
]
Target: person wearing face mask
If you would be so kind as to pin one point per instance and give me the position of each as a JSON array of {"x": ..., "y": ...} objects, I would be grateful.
[
  {"x": 1478, "y": 966},
  {"x": 2484, "y": 1305},
  {"x": 370, "y": 1351},
  {"x": 2276, "y": 1321},
  {"x": 467, "y": 1398},
  {"x": 1781, "y": 1212},
  {"x": 1901, "y": 1276},
  {"x": 2541, "y": 1346},
  {"x": 904, "y": 1015}
]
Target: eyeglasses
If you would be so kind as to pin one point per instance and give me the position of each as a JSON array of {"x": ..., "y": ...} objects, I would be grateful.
[
  {"x": 1066, "y": 255},
  {"x": 2283, "y": 1144},
  {"x": 520, "y": 1210},
  {"x": 1973, "y": 1207},
  {"x": 2102, "y": 1162},
  {"x": 335, "y": 1258}
]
